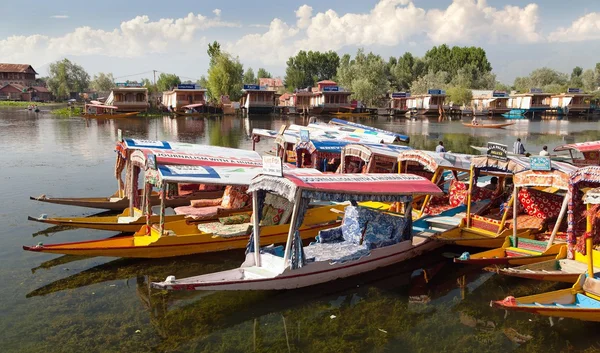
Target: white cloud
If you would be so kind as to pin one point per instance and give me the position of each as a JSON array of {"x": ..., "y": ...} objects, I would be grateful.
[
  {"x": 584, "y": 28},
  {"x": 217, "y": 12},
  {"x": 133, "y": 38},
  {"x": 258, "y": 25},
  {"x": 304, "y": 13},
  {"x": 60, "y": 16}
]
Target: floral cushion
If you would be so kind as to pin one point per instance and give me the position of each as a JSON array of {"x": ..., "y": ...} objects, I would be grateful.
[
  {"x": 526, "y": 222},
  {"x": 205, "y": 202},
  {"x": 210, "y": 187},
  {"x": 457, "y": 194},
  {"x": 271, "y": 215},
  {"x": 235, "y": 197},
  {"x": 481, "y": 194},
  {"x": 197, "y": 212},
  {"x": 226, "y": 231},
  {"x": 236, "y": 219},
  {"x": 540, "y": 204}
]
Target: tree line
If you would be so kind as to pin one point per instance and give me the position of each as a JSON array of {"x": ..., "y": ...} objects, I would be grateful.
[{"x": 368, "y": 75}]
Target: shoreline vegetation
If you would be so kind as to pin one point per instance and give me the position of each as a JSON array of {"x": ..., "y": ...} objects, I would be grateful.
[{"x": 25, "y": 104}]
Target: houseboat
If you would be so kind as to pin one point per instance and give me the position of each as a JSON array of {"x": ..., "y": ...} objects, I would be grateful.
[
  {"x": 490, "y": 102},
  {"x": 398, "y": 103},
  {"x": 183, "y": 95},
  {"x": 257, "y": 99},
  {"x": 129, "y": 97},
  {"x": 529, "y": 103},
  {"x": 427, "y": 104},
  {"x": 570, "y": 103},
  {"x": 301, "y": 101},
  {"x": 328, "y": 97}
]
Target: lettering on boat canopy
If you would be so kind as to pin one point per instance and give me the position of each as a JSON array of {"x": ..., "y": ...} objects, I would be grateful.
[
  {"x": 272, "y": 165},
  {"x": 497, "y": 151},
  {"x": 171, "y": 156},
  {"x": 541, "y": 163},
  {"x": 357, "y": 178}
]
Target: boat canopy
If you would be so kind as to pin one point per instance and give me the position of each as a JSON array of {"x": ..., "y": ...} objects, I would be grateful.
[
  {"x": 397, "y": 137},
  {"x": 325, "y": 148},
  {"x": 431, "y": 161},
  {"x": 192, "y": 106},
  {"x": 233, "y": 175},
  {"x": 592, "y": 197},
  {"x": 558, "y": 177},
  {"x": 590, "y": 174},
  {"x": 591, "y": 146},
  {"x": 101, "y": 106},
  {"x": 512, "y": 165},
  {"x": 365, "y": 152},
  {"x": 344, "y": 187},
  {"x": 350, "y": 134},
  {"x": 186, "y": 153}
]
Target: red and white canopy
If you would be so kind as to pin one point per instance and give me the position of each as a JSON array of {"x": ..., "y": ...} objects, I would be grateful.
[{"x": 590, "y": 146}]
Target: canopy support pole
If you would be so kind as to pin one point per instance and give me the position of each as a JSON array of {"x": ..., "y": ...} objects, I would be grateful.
[
  {"x": 561, "y": 215},
  {"x": 434, "y": 179},
  {"x": 288, "y": 244},
  {"x": 256, "y": 230},
  {"x": 163, "y": 192},
  {"x": 132, "y": 191},
  {"x": 589, "y": 242},
  {"x": 505, "y": 213},
  {"x": 472, "y": 171},
  {"x": 515, "y": 212}
]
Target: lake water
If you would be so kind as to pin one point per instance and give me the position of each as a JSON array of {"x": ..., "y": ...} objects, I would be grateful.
[{"x": 53, "y": 303}]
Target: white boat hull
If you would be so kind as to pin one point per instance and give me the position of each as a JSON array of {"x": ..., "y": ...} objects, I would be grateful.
[{"x": 250, "y": 277}]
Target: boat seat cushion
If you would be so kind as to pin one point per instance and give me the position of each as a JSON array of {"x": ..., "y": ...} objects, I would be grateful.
[
  {"x": 526, "y": 222},
  {"x": 226, "y": 230},
  {"x": 330, "y": 235},
  {"x": 235, "y": 219},
  {"x": 384, "y": 230},
  {"x": 457, "y": 194},
  {"x": 592, "y": 285},
  {"x": 335, "y": 252},
  {"x": 197, "y": 212},
  {"x": 540, "y": 204},
  {"x": 236, "y": 196},
  {"x": 205, "y": 202}
]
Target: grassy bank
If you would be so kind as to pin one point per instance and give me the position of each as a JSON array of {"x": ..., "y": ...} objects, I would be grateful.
[
  {"x": 66, "y": 112},
  {"x": 22, "y": 104}
]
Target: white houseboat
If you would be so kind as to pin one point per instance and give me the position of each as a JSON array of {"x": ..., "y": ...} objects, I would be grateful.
[
  {"x": 329, "y": 97},
  {"x": 427, "y": 104},
  {"x": 184, "y": 95},
  {"x": 257, "y": 99},
  {"x": 490, "y": 102},
  {"x": 129, "y": 97},
  {"x": 398, "y": 103},
  {"x": 571, "y": 103}
]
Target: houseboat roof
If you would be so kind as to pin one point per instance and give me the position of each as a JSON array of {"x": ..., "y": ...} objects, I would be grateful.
[
  {"x": 132, "y": 89},
  {"x": 426, "y": 95},
  {"x": 18, "y": 68},
  {"x": 174, "y": 90},
  {"x": 374, "y": 185},
  {"x": 327, "y": 82},
  {"x": 529, "y": 94},
  {"x": 589, "y": 146},
  {"x": 572, "y": 95}
]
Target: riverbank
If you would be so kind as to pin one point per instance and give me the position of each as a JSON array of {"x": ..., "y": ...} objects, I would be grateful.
[
  {"x": 66, "y": 112},
  {"x": 24, "y": 104}
]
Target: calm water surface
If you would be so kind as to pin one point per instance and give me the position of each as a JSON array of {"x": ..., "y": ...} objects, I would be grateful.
[{"x": 59, "y": 303}]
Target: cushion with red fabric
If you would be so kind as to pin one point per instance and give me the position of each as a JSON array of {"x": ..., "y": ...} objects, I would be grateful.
[
  {"x": 540, "y": 204},
  {"x": 457, "y": 193}
]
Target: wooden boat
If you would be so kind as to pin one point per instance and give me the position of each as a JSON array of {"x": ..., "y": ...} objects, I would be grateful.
[
  {"x": 525, "y": 251},
  {"x": 185, "y": 237},
  {"x": 101, "y": 111},
  {"x": 581, "y": 302},
  {"x": 116, "y": 203},
  {"x": 488, "y": 126},
  {"x": 479, "y": 230},
  {"x": 340, "y": 252},
  {"x": 351, "y": 114},
  {"x": 110, "y": 116},
  {"x": 564, "y": 270},
  {"x": 190, "y": 106},
  {"x": 589, "y": 153}
]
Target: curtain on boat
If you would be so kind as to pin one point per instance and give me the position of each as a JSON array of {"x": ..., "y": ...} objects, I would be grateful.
[
  {"x": 260, "y": 198},
  {"x": 298, "y": 258}
]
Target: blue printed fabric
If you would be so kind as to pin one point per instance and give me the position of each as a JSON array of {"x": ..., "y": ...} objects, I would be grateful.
[
  {"x": 351, "y": 226},
  {"x": 384, "y": 230},
  {"x": 330, "y": 235},
  {"x": 335, "y": 252}
]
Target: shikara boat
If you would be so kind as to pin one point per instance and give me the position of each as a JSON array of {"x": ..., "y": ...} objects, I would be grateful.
[
  {"x": 185, "y": 237},
  {"x": 190, "y": 106},
  {"x": 131, "y": 157},
  {"x": 366, "y": 240},
  {"x": 565, "y": 270},
  {"x": 581, "y": 302},
  {"x": 488, "y": 126},
  {"x": 582, "y": 153},
  {"x": 525, "y": 251},
  {"x": 101, "y": 111},
  {"x": 351, "y": 113},
  {"x": 479, "y": 230}
]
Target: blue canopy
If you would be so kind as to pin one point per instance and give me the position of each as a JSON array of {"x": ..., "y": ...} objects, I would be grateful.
[{"x": 399, "y": 137}]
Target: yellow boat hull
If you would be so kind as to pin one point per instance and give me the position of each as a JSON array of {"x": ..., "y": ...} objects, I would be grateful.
[
  {"x": 479, "y": 238},
  {"x": 188, "y": 239}
]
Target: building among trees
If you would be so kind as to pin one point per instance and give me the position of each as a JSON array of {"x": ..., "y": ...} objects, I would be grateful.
[
  {"x": 129, "y": 97},
  {"x": 17, "y": 82},
  {"x": 185, "y": 94}
]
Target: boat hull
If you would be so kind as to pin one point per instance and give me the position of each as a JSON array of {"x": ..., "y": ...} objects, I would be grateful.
[
  {"x": 118, "y": 204},
  {"x": 472, "y": 237},
  {"x": 564, "y": 270},
  {"x": 108, "y": 223},
  {"x": 488, "y": 126},
  {"x": 308, "y": 275},
  {"x": 168, "y": 246},
  {"x": 110, "y": 116}
]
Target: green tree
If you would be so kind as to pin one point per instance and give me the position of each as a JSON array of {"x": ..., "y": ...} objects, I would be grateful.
[
  {"x": 166, "y": 82},
  {"x": 545, "y": 78},
  {"x": 450, "y": 60},
  {"x": 214, "y": 49},
  {"x": 365, "y": 75},
  {"x": 66, "y": 77},
  {"x": 404, "y": 71},
  {"x": 103, "y": 82},
  {"x": 262, "y": 73},
  {"x": 588, "y": 80},
  {"x": 249, "y": 77},
  {"x": 225, "y": 77},
  {"x": 307, "y": 68},
  {"x": 149, "y": 85},
  {"x": 459, "y": 95},
  {"x": 430, "y": 80}
]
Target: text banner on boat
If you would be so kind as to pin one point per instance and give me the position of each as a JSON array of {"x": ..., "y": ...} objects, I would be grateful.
[
  {"x": 497, "y": 151},
  {"x": 541, "y": 163},
  {"x": 272, "y": 165}
]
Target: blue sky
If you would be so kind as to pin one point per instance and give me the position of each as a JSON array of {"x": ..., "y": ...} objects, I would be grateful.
[{"x": 109, "y": 36}]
